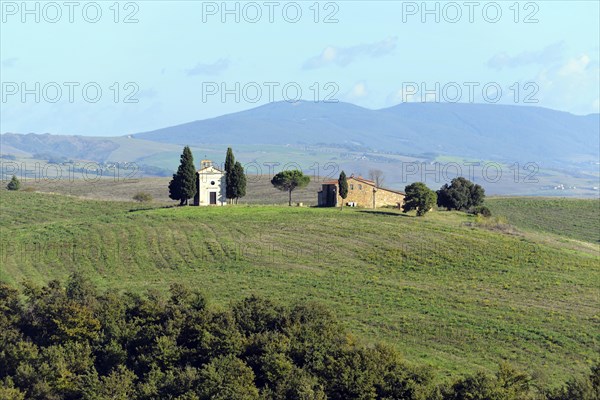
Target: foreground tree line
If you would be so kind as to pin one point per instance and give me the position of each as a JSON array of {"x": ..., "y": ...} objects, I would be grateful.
[{"x": 71, "y": 342}]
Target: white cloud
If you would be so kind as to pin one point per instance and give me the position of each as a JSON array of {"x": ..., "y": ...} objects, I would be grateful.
[
  {"x": 571, "y": 85},
  {"x": 342, "y": 56},
  {"x": 575, "y": 66},
  {"x": 359, "y": 90},
  {"x": 356, "y": 93},
  {"x": 547, "y": 55}
]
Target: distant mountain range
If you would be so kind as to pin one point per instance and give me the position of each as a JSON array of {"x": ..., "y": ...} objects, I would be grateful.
[
  {"x": 483, "y": 131},
  {"x": 565, "y": 147}
]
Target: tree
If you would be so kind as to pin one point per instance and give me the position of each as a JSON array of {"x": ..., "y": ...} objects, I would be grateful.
[
  {"x": 477, "y": 195},
  {"x": 183, "y": 186},
  {"x": 343, "y": 187},
  {"x": 377, "y": 176},
  {"x": 238, "y": 181},
  {"x": 178, "y": 347},
  {"x": 461, "y": 194},
  {"x": 508, "y": 384},
  {"x": 230, "y": 186},
  {"x": 228, "y": 378},
  {"x": 118, "y": 385},
  {"x": 290, "y": 180},
  {"x": 418, "y": 197},
  {"x": 14, "y": 183}
]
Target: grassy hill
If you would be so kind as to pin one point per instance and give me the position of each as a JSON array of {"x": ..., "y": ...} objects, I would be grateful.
[
  {"x": 573, "y": 218},
  {"x": 441, "y": 289}
]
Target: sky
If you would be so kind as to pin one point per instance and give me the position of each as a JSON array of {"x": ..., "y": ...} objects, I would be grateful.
[{"x": 110, "y": 68}]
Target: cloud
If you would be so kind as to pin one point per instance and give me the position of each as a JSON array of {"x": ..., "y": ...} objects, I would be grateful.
[
  {"x": 359, "y": 90},
  {"x": 571, "y": 84},
  {"x": 342, "y": 56},
  {"x": 568, "y": 84},
  {"x": 564, "y": 82},
  {"x": 575, "y": 66},
  {"x": 9, "y": 62},
  {"x": 210, "y": 69},
  {"x": 549, "y": 54}
]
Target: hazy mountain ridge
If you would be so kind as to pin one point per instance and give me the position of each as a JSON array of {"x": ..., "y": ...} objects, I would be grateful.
[
  {"x": 78, "y": 147},
  {"x": 482, "y": 131}
]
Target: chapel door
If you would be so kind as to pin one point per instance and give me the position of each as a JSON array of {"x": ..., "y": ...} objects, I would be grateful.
[{"x": 213, "y": 198}]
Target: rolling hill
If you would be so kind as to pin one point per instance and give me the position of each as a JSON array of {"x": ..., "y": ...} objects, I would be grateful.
[{"x": 441, "y": 289}]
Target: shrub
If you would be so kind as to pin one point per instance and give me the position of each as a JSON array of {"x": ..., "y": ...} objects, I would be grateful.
[
  {"x": 142, "y": 197},
  {"x": 586, "y": 388},
  {"x": 481, "y": 210},
  {"x": 14, "y": 183}
]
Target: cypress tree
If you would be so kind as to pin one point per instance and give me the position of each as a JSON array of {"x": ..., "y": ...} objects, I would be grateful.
[
  {"x": 343, "y": 187},
  {"x": 230, "y": 191},
  {"x": 175, "y": 188},
  {"x": 239, "y": 181},
  {"x": 183, "y": 185}
]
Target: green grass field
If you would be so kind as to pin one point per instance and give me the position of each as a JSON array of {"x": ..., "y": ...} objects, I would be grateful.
[
  {"x": 444, "y": 293},
  {"x": 572, "y": 218}
]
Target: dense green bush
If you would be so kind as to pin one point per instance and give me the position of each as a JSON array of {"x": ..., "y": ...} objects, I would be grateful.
[
  {"x": 70, "y": 342},
  {"x": 481, "y": 210},
  {"x": 461, "y": 194},
  {"x": 14, "y": 183}
]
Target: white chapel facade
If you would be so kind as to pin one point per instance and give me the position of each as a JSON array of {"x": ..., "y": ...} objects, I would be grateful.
[{"x": 211, "y": 185}]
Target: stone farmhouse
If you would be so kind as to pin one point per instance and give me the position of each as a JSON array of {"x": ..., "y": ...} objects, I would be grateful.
[
  {"x": 211, "y": 185},
  {"x": 361, "y": 193}
]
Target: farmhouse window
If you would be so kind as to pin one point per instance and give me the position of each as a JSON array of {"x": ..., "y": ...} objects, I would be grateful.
[
  {"x": 359, "y": 186},
  {"x": 351, "y": 186}
]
